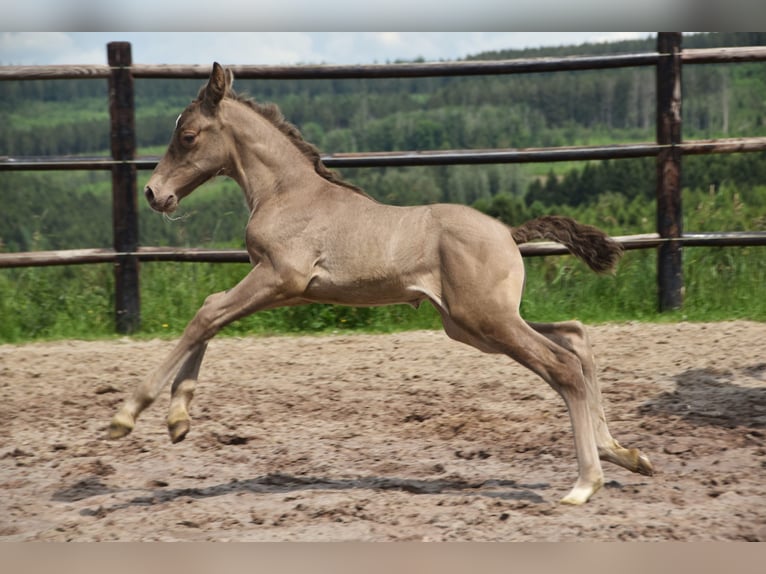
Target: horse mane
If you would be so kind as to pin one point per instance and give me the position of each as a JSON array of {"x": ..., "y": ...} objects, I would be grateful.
[{"x": 273, "y": 114}]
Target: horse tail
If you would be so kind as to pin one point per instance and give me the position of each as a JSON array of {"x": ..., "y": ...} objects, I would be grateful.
[{"x": 586, "y": 242}]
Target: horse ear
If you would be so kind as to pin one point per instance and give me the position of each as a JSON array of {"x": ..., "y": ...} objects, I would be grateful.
[{"x": 215, "y": 90}]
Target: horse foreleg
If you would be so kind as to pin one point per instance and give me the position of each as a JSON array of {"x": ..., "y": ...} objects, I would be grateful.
[
  {"x": 146, "y": 392},
  {"x": 260, "y": 289},
  {"x": 181, "y": 395},
  {"x": 572, "y": 336}
]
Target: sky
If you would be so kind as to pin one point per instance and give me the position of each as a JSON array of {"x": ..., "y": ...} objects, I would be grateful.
[
  {"x": 274, "y": 48},
  {"x": 245, "y": 31}
]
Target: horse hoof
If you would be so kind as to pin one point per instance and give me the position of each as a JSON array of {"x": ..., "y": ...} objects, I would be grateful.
[
  {"x": 582, "y": 492},
  {"x": 119, "y": 428},
  {"x": 178, "y": 430},
  {"x": 575, "y": 499},
  {"x": 644, "y": 465}
]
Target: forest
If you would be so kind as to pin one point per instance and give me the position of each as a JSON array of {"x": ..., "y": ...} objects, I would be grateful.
[
  {"x": 72, "y": 209},
  {"x": 70, "y": 117}
]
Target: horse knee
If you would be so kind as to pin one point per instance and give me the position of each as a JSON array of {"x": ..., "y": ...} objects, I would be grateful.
[
  {"x": 204, "y": 324},
  {"x": 566, "y": 375},
  {"x": 573, "y": 336},
  {"x": 580, "y": 333}
]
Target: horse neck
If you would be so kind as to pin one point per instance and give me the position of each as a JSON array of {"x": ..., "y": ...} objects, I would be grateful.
[{"x": 265, "y": 162}]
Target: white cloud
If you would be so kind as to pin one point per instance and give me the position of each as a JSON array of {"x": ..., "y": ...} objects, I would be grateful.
[
  {"x": 228, "y": 48},
  {"x": 33, "y": 47},
  {"x": 273, "y": 48},
  {"x": 389, "y": 38}
]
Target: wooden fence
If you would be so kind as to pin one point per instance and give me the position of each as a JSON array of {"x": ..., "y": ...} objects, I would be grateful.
[{"x": 668, "y": 149}]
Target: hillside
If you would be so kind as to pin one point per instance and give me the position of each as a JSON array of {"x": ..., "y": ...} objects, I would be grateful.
[{"x": 70, "y": 116}]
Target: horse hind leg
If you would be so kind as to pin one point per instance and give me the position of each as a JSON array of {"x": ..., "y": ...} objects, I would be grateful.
[
  {"x": 559, "y": 367},
  {"x": 572, "y": 336}
]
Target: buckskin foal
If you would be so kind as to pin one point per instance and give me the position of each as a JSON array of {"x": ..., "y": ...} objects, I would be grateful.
[{"x": 312, "y": 237}]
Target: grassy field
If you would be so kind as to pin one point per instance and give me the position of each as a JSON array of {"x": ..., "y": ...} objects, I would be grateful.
[
  {"x": 720, "y": 283},
  {"x": 77, "y": 302}
]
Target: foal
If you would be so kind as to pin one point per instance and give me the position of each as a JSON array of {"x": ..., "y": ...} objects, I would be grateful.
[{"x": 312, "y": 238}]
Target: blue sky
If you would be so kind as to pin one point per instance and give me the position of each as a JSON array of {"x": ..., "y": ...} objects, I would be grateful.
[{"x": 36, "y": 48}]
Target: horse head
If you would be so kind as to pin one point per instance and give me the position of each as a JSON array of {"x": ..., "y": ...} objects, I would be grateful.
[{"x": 198, "y": 150}]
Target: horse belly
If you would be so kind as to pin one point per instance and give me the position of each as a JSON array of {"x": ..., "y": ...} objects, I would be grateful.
[{"x": 377, "y": 286}]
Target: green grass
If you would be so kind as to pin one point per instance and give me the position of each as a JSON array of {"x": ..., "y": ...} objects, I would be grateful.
[
  {"x": 56, "y": 303},
  {"x": 77, "y": 302},
  {"x": 720, "y": 283}
]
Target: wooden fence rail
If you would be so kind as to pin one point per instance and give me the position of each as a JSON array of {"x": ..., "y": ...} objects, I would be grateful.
[
  {"x": 668, "y": 149},
  {"x": 426, "y": 157},
  {"x": 407, "y": 70},
  {"x": 202, "y": 255}
]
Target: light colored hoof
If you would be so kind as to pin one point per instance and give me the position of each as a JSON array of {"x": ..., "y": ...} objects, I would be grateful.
[
  {"x": 581, "y": 494},
  {"x": 120, "y": 426},
  {"x": 632, "y": 459},
  {"x": 178, "y": 429},
  {"x": 574, "y": 499},
  {"x": 643, "y": 464}
]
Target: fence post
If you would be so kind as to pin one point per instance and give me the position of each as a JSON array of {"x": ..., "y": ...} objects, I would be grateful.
[
  {"x": 670, "y": 280},
  {"x": 124, "y": 187}
]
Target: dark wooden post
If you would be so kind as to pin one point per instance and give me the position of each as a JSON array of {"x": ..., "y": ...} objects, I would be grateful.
[
  {"x": 670, "y": 279},
  {"x": 124, "y": 188}
]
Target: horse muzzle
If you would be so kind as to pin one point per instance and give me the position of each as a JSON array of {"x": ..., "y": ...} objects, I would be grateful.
[{"x": 163, "y": 204}]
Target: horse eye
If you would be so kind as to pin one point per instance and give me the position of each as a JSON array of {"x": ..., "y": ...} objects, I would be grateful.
[{"x": 188, "y": 137}]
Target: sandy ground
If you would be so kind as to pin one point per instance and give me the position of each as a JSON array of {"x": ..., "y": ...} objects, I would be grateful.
[{"x": 384, "y": 437}]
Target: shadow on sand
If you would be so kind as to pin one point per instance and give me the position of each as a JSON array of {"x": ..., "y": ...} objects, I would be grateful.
[
  {"x": 713, "y": 397},
  {"x": 285, "y": 483}
]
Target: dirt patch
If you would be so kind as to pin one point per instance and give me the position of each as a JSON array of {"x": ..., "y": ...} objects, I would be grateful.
[{"x": 397, "y": 437}]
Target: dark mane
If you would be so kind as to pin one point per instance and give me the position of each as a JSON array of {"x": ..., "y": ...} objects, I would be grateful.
[{"x": 274, "y": 115}]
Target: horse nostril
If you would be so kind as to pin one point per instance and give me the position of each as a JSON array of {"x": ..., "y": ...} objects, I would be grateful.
[{"x": 149, "y": 194}]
